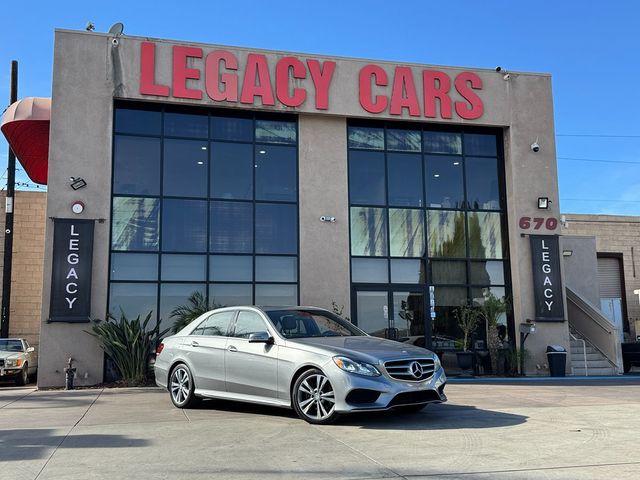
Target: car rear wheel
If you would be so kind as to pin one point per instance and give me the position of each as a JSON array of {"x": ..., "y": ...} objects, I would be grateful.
[
  {"x": 23, "y": 376},
  {"x": 181, "y": 387},
  {"x": 314, "y": 399}
]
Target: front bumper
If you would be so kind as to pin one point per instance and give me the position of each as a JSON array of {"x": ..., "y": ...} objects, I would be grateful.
[
  {"x": 391, "y": 392},
  {"x": 10, "y": 372}
]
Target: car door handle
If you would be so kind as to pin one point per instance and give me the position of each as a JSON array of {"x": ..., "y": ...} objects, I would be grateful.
[
  {"x": 195, "y": 344},
  {"x": 231, "y": 348}
]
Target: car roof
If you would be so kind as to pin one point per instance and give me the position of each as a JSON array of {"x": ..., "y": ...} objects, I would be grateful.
[{"x": 274, "y": 308}]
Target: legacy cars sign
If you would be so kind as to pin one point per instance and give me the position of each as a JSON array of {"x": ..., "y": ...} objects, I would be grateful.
[
  {"x": 71, "y": 276},
  {"x": 262, "y": 80},
  {"x": 547, "y": 286}
]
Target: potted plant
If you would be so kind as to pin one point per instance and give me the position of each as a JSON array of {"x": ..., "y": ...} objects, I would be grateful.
[
  {"x": 491, "y": 310},
  {"x": 467, "y": 318}
]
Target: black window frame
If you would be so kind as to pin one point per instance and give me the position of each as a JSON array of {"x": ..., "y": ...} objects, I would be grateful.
[{"x": 161, "y": 109}]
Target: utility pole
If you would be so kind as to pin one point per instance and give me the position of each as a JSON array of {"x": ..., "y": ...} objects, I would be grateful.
[{"x": 8, "y": 226}]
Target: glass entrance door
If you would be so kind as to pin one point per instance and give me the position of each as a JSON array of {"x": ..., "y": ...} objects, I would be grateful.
[{"x": 396, "y": 314}]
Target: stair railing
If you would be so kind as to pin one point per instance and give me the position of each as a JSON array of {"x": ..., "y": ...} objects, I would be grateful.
[{"x": 584, "y": 354}]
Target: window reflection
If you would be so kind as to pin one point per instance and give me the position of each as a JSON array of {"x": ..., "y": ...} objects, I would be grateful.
[
  {"x": 275, "y": 172},
  {"x": 231, "y": 229},
  {"x": 185, "y": 168},
  {"x": 368, "y": 231},
  {"x": 442, "y": 142},
  {"x": 446, "y": 234},
  {"x": 230, "y": 295},
  {"x": 135, "y": 223},
  {"x": 232, "y": 171},
  {"x": 406, "y": 233},
  {"x": 403, "y": 140},
  {"x": 275, "y": 131},
  {"x": 186, "y": 125},
  {"x": 184, "y": 225},
  {"x": 485, "y": 235},
  {"x": 134, "y": 299},
  {"x": 365, "y": 137}
]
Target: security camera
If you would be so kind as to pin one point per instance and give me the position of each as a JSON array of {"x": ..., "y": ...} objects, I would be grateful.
[
  {"x": 114, "y": 42},
  {"x": 498, "y": 69},
  {"x": 507, "y": 76},
  {"x": 323, "y": 218},
  {"x": 535, "y": 146},
  {"x": 90, "y": 27}
]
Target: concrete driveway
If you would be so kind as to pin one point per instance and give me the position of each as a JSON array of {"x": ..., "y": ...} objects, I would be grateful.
[{"x": 523, "y": 431}]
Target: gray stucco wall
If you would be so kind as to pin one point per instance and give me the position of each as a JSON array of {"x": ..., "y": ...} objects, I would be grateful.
[
  {"x": 581, "y": 268},
  {"x": 89, "y": 73}
]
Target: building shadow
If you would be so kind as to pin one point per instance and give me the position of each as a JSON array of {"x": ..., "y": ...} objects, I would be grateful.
[{"x": 33, "y": 444}]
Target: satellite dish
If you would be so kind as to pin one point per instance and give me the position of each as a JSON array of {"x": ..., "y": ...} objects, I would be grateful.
[{"x": 116, "y": 29}]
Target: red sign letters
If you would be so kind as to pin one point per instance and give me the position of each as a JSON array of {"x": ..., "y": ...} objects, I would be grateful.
[{"x": 251, "y": 83}]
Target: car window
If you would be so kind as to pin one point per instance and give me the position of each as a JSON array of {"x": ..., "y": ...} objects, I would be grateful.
[
  {"x": 294, "y": 323},
  {"x": 248, "y": 323},
  {"x": 10, "y": 345},
  {"x": 217, "y": 325}
]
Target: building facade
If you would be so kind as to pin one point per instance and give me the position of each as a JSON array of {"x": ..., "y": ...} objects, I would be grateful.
[
  {"x": 399, "y": 192},
  {"x": 28, "y": 260}
]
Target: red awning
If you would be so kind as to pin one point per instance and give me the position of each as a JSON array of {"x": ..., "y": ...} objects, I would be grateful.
[{"x": 26, "y": 125}]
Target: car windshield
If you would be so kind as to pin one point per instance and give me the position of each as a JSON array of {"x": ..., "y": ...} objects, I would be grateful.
[
  {"x": 10, "y": 345},
  {"x": 310, "y": 323}
]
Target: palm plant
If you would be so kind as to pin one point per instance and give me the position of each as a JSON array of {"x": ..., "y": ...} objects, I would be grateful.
[
  {"x": 467, "y": 318},
  {"x": 186, "y": 313},
  {"x": 491, "y": 310},
  {"x": 129, "y": 344}
]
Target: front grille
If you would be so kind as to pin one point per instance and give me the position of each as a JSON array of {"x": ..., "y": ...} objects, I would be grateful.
[
  {"x": 402, "y": 369},
  {"x": 411, "y": 398}
]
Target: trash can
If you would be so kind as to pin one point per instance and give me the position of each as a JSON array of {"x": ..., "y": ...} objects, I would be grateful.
[{"x": 557, "y": 357}]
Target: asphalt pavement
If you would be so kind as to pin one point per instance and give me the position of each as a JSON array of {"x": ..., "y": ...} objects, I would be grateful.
[{"x": 582, "y": 430}]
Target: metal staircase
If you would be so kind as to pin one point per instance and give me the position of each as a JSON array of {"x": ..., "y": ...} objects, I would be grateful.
[{"x": 586, "y": 360}]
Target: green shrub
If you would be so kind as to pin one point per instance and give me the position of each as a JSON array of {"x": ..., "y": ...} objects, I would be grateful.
[
  {"x": 129, "y": 344},
  {"x": 195, "y": 306}
]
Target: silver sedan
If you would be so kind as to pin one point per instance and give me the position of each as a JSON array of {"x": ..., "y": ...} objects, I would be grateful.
[{"x": 303, "y": 358}]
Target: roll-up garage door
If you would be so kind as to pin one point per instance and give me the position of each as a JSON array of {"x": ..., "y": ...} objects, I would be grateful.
[{"x": 609, "y": 278}]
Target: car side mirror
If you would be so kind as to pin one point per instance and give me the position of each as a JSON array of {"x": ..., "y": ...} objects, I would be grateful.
[
  {"x": 31, "y": 349},
  {"x": 261, "y": 337}
]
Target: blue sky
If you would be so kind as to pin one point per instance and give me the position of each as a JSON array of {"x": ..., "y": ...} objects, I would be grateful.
[{"x": 590, "y": 48}]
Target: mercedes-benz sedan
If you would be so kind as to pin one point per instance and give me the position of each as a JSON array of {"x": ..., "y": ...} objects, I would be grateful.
[{"x": 303, "y": 358}]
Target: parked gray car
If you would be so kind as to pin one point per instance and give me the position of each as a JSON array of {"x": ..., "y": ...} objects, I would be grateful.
[
  {"x": 303, "y": 358},
  {"x": 17, "y": 360}
]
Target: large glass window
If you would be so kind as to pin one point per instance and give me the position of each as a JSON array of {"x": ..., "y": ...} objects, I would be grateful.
[
  {"x": 203, "y": 201},
  {"x": 427, "y": 215}
]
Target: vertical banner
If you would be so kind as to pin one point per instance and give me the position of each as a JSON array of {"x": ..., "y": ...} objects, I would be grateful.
[
  {"x": 71, "y": 275},
  {"x": 547, "y": 284}
]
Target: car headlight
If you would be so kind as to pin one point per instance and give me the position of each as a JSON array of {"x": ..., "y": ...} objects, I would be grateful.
[
  {"x": 352, "y": 366},
  {"x": 436, "y": 363},
  {"x": 14, "y": 363}
]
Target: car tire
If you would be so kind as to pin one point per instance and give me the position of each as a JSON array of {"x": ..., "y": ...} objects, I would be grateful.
[
  {"x": 23, "y": 377},
  {"x": 181, "y": 387},
  {"x": 411, "y": 408},
  {"x": 313, "y": 398}
]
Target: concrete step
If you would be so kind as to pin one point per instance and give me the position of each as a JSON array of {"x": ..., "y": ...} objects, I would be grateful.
[
  {"x": 579, "y": 351},
  {"x": 594, "y": 371},
  {"x": 592, "y": 364},
  {"x": 579, "y": 357}
]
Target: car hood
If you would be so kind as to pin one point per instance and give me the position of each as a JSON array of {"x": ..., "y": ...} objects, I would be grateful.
[
  {"x": 369, "y": 349},
  {"x": 10, "y": 355}
]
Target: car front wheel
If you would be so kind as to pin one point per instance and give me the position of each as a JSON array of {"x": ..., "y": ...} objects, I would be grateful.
[
  {"x": 181, "y": 387},
  {"x": 314, "y": 399},
  {"x": 23, "y": 376}
]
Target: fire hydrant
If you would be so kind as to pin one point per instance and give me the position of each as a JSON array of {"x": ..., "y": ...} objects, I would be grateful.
[{"x": 69, "y": 374}]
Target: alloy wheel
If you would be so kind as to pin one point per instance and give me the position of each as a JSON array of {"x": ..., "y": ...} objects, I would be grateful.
[
  {"x": 180, "y": 385},
  {"x": 315, "y": 398}
]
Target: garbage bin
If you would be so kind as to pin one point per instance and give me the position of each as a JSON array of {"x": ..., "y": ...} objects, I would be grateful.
[{"x": 557, "y": 357}]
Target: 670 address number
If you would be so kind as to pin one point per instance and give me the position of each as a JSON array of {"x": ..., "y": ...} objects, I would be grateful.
[{"x": 537, "y": 223}]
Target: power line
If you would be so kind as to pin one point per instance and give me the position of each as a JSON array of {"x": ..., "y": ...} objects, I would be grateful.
[
  {"x": 599, "y": 200},
  {"x": 574, "y": 159},
  {"x": 595, "y": 135}
]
